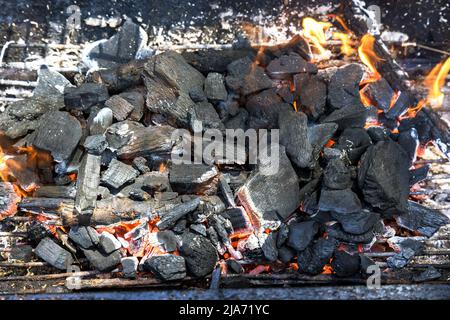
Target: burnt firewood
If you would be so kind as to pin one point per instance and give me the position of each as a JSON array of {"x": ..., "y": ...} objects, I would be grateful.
[
  {"x": 354, "y": 141},
  {"x": 166, "y": 267},
  {"x": 146, "y": 140},
  {"x": 337, "y": 175},
  {"x": 210, "y": 205},
  {"x": 222, "y": 227},
  {"x": 85, "y": 237},
  {"x": 245, "y": 77},
  {"x": 68, "y": 192},
  {"x": 278, "y": 192},
  {"x": 418, "y": 174},
  {"x": 85, "y": 96},
  {"x": 340, "y": 201},
  {"x": 129, "y": 267},
  {"x": 8, "y": 200},
  {"x": 312, "y": 94},
  {"x": 294, "y": 137},
  {"x": 409, "y": 141},
  {"x": 95, "y": 144},
  {"x": 343, "y": 89},
  {"x": 200, "y": 255},
  {"x": 150, "y": 182},
  {"x": 301, "y": 234},
  {"x": 403, "y": 102},
  {"x": 88, "y": 181},
  {"x": 336, "y": 232},
  {"x": 170, "y": 216},
  {"x": 316, "y": 256},
  {"x": 137, "y": 100},
  {"x": 100, "y": 121},
  {"x": 23, "y": 253},
  {"x": 345, "y": 264},
  {"x": 384, "y": 178},
  {"x": 193, "y": 178},
  {"x": 287, "y": 65},
  {"x": 118, "y": 174},
  {"x": 349, "y": 116},
  {"x": 264, "y": 109},
  {"x": 357, "y": 222},
  {"x": 59, "y": 133},
  {"x": 215, "y": 87},
  {"x": 381, "y": 93},
  {"x": 53, "y": 254},
  {"x": 47, "y": 205},
  {"x": 101, "y": 261},
  {"x": 422, "y": 219},
  {"x": 120, "y": 107},
  {"x": 169, "y": 79},
  {"x": 430, "y": 273}
]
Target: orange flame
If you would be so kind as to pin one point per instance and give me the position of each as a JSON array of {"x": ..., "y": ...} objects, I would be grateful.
[
  {"x": 346, "y": 47},
  {"x": 162, "y": 167},
  {"x": 315, "y": 32},
  {"x": 435, "y": 81},
  {"x": 368, "y": 56}
]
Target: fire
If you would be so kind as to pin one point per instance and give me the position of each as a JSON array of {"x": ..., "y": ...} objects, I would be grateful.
[
  {"x": 327, "y": 269},
  {"x": 368, "y": 56},
  {"x": 162, "y": 167},
  {"x": 435, "y": 81},
  {"x": 346, "y": 47},
  {"x": 315, "y": 32}
]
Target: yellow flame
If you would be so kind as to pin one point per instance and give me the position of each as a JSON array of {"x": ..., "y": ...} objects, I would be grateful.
[
  {"x": 435, "y": 81},
  {"x": 346, "y": 47},
  {"x": 315, "y": 32},
  {"x": 368, "y": 56}
]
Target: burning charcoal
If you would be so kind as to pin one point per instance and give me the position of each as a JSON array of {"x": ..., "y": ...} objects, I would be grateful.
[
  {"x": 199, "y": 229},
  {"x": 381, "y": 93},
  {"x": 378, "y": 134},
  {"x": 167, "y": 267},
  {"x": 53, "y": 254},
  {"x": 384, "y": 178},
  {"x": 206, "y": 114},
  {"x": 120, "y": 107},
  {"x": 169, "y": 79},
  {"x": 102, "y": 262},
  {"x": 271, "y": 193},
  {"x": 85, "y": 237},
  {"x": 118, "y": 173},
  {"x": 340, "y": 201},
  {"x": 301, "y": 234},
  {"x": 168, "y": 239},
  {"x": 8, "y": 200},
  {"x": 238, "y": 121},
  {"x": 286, "y": 254},
  {"x": 294, "y": 136},
  {"x": 312, "y": 94},
  {"x": 95, "y": 144},
  {"x": 226, "y": 191},
  {"x": 287, "y": 65},
  {"x": 22, "y": 253},
  {"x": 403, "y": 102},
  {"x": 422, "y": 219},
  {"x": 365, "y": 263},
  {"x": 357, "y": 222},
  {"x": 100, "y": 121},
  {"x": 409, "y": 141},
  {"x": 343, "y": 89},
  {"x": 108, "y": 243},
  {"x": 336, "y": 232},
  {"x": 430, "y": 273},
  {"x": 285, "y": 93},
  {"x": 234, "y": 266},
  {"x": 337, "y": 175},
  {"x": 215, "y": 87},
  {"x": 222, "y": 226},
  {"x": 265, "y": 108},
  {"x": 344, "y": 264},
  {"x": 140, "y": 164},
  {"x": 124, "y": 46},
  {"x": 201, "y": 256},
  {"x": 350, "y": 116},
  {"x": 171, "y": 216},
  {"x": 354, "y": 141},
  {"x": 59, "y": 133},
  {"x": 85, "y": 96},
  {"x": 418, "y": 174},
  {"x": 129, "y": 267},
  {"x": 315, "y": 257},
  {"x": 251, "y": 247},
  {"x": 146, "y": 140},
  {"x": 193, "y": 178},
  {"x": 245, "y": 77},
  {"x": 238, "y": 218}
]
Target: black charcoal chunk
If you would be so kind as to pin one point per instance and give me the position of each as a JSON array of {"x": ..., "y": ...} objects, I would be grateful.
[
  {"x": 345, "y": 264},
  {"x": 120, "y": 107},
  {"x": 351, "y": 116},
  {"x": 109, "y": 243},
  {"x": 141, "y": 164},
  {"x": 215, "y": 87},
  {"x": 301, "y": 234},
  {"x": 193, "y": 178},
  {"x": 245, "y": 77},
  {"x": 320, "y": 134},
  {"x": 383, "y": 177},
  {"x": 237, "y": 217},
  {"x": 401, "y": 259},
  {"x": 167, "y": 267},
  {"x": 95, "y": 144},
  {"x": 336, "y": 232},
  {"x": 315, "y": 257},
  {"x": 85, "y": 96},
  {"x": 357, "y": 222},
  {"x": 129, "y": 267},
  {"x": 101, "y": 261},
  {"x": 287, "y": 65},
  {"x": 234, "y": 266},
  {"x": 343, "y": 89},
  {"x": 312, "y": 95},
  {"x": 211, "y": 60},
  {"x": 118, "y": 174},
  {"x": 53, "y": 254},
  {"x": 264, "y": 109},
  {"x": 337, "y": 175},
  {"x": 409, "y": 141},
  {"x": 197, "y": 95},
  {"x": 381, "y": 93},
  {"x": 205, "y": 113},
  {"x": 365, "y": 264},
  {"x": 286, "y": 254},
  {"x": 100, "y": 121},
  {"x": 22, "y": 253},
  {"x": 418, "y": 174},
  {"x": 403, "y": 102},
  {"x": 168, "y": 239},
  {"x": 59, "y": 133},
  {"x": 354, "y": 141},
  {"x": 269, "y": 247},
  {"x": 169, "y": 217},
  {"x": 120, "y": 133},
  {"x": 239, "y": 121},
  {"x": 199, "y": 229},
  {"x": 201, "y": 256},
  {"x": 340, "y": 201},
  {"x": 377, "y": 133},
  {"x": 137, "y": 100},
  {"x": 430, "y": 273},
  {"x": 85, "y": 237}
]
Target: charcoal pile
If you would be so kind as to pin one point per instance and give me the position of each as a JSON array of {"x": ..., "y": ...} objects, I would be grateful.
[{"x": 91, "y": 170}]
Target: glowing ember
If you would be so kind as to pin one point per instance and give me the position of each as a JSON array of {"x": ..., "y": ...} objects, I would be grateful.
[
  {"x": 435, "y": 81},
  {"x": 315, "y": 32},
  {"x": 327, "y": 269},
  {"x": 368, "y": 56},
  {"x": 162, "y": 167}
]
